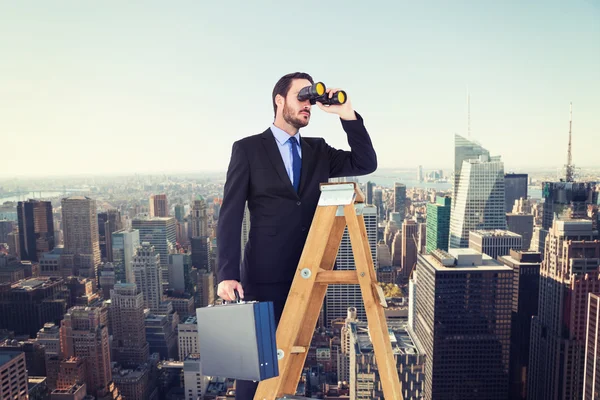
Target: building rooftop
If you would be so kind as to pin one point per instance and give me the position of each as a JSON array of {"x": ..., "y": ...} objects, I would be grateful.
[
  {"x": 402, "y": 342},
  {"x": 463, "y": 260},
  {"x": 147, "y": 217},
  {"x": 494, "y": 233},
  {"x": 56, "y": 251},
  {"x": 6, "y": 356},
  {"x": 34, "y": 283}
]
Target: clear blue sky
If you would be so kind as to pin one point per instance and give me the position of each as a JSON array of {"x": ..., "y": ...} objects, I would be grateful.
[{"x": 149, "y": 86}]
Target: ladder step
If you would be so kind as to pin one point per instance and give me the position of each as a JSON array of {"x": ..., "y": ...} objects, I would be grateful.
[
  {"x": 337, "y": 277},
  {"x": 298, "y": 349}
]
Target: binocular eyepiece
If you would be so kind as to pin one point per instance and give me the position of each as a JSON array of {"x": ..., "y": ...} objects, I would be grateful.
[{"x": 316, "y": 92}]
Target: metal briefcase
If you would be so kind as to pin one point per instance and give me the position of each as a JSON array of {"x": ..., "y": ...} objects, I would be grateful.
[{"x": 238, "y": 340}]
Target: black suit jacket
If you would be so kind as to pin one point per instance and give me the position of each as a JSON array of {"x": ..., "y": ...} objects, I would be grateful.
[{"x": 280, "y": 218}]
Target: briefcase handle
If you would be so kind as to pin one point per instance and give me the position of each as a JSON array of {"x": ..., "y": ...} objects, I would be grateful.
[{"x": 237, "y": 298}]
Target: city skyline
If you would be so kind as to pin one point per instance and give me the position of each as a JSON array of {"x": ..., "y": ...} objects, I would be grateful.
[{"x": 186, "y": 83}]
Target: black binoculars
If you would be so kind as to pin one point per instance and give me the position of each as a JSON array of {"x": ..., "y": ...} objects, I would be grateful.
[{"x": 316, "y": 92}]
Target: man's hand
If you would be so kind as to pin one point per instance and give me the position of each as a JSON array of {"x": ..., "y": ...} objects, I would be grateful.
[
  {"x": 345, "y": 111},
  {"x": 226, "y": 288}
]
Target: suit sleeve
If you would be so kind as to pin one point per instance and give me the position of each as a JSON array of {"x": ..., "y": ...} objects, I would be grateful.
[
  {"x": 229, "y": 227},
  {"x": 361, "y": 159}
]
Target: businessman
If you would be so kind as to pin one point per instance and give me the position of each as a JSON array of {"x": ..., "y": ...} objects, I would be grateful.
[{"x": 278, "y": 173}]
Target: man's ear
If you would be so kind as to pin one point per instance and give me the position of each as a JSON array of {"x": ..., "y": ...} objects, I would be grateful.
[{"x": 279, "y": 100}]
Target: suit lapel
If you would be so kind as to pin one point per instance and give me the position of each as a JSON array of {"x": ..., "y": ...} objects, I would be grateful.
[
  {"x": 274, "y": 156},
  {"x": 308, "y": 163}
]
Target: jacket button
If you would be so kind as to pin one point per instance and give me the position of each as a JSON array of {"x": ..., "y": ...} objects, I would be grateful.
[
  {"x": 298, "y": 203},
  {"x": 303, "y": 229}
]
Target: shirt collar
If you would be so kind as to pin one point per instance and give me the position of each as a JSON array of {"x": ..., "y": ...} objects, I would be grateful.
[{"x": 282, "y": 136}]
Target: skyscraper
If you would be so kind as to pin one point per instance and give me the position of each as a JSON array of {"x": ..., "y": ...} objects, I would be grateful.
[
  {"x": 6, "y": 227},
  {"x": 464, "y": 150},
  {"x": 25, "y": 306},
  {"x": 159, "y": 232},
  {"x": 462, "y": 322},
  {"x": 369, "y": 194},
  {"x": 80, "y": 226},
  {"x": 591, "y": 378},
  {"x": 378, "y": 203},
  {"x": 515, "y": 187},
  {"x": 124, "y": 245},
  {"x": 159, "y": 206},
  {"x": 340, "y": 297},
  {"x": 479, "y": 200},
  {"x": 526, "y": 282},
  {"x": 565, "y": 200},
  {"x": 13, "y": 375},
  {"x": 199, "y": 218},
  {"x": 148, "y": 277},
  {"x": 409, "y": 248},
  {"x": 495, "y": 242},
  {"x": 568, "y": 274},
  {"x": 83, "y": 334},
  {"x": 521, "y": 224},
  {"x": 36, "y": 229},
  {"x": 108, "y": 222},
  {"x": 130, "y": 347},
  {"x": 179, "y": 212},
  {"x": 438, "y": 224},
  {"x": 400, "y": 200}
]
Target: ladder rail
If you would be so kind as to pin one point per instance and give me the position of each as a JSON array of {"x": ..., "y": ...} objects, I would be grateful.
[{"x": 340, "y": 206}]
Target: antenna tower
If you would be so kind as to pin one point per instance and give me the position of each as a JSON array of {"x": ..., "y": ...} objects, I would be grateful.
[{"x": 570, "y": 167}]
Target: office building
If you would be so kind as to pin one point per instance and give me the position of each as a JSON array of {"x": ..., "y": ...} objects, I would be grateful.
[
  {"x": 36, "y": 229},
  {"x": 409, "y": 248},
  {"x": 479, "y": 200},
  {"x": 25, "y": 306},
  {"x": 195, "y": 383},
  {"x": 462, "y": 323},
  {"x": 108, "y": 222},
  {"x": 159, "y": 232},
  {"x": 400, "y": 200},
  {"x": 159, "y": 206},
  {"x": 180, "y": 268},
  {"x": 464, "y": 150},
  {"x": 187, "y": 337},
  {"x": 568, "y": 274},
  {"x": 495, "y": 242},
  {"x": 124, "y": 246},
  {"x": 515, "y": 188},
  {"x": 134, "y": 383},
  {"x": 84, "y": 334},
  {"x": 13, "y": 375},
  {"x": 81, "y": 252},
  {"x": 591, "y": 375},
  {"x": 148, "y": 277},
  {"x": 199, "y": 218},
  {"x": 129, "y": 344},
  {"x": 521, "y": 224},
  {"x": 526, "y": 282}
]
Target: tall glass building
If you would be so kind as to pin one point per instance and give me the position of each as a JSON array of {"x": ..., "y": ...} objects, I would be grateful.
[
  {"x": 479, "y": 202},
  {"x": 438, "y": 224}
]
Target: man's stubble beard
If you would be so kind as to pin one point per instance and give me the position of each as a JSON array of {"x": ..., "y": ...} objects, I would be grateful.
[{"x": 291, "y": 119}]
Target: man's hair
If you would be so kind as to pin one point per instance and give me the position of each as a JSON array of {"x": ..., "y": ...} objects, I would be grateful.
[{"x": 282, "y": 86}]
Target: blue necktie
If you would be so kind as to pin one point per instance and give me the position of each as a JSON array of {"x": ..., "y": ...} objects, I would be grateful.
[{"x": 296, "y": 162}]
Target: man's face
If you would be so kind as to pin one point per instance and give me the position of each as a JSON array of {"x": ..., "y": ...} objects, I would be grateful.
[{"x": 295, "y": 112}]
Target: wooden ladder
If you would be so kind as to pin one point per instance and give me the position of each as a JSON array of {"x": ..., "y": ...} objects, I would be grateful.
[{"x": 340, "y": 205}]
